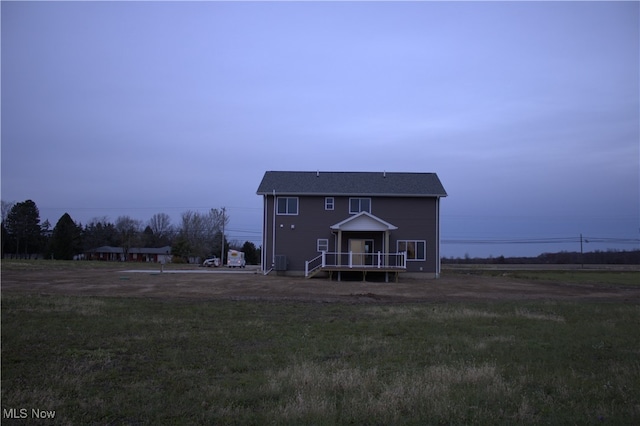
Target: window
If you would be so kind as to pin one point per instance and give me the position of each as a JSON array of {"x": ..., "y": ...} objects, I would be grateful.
[
  {"x": 357, "y": 205},
  {"x": 416, "y": 249},
  {"x": 328, "y": 203},
  {"x": 287, "y": 205},
  {"x": 323, "y": 244}
]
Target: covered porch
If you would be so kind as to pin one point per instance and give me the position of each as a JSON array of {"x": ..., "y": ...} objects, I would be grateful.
[{"x": 367, "y": 240}]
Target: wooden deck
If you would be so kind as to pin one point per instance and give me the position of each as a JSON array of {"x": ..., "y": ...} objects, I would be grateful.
[{"x": 334, "y": 262}]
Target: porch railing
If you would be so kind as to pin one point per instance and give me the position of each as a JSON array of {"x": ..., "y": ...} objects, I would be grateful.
[{"x": 352, "y": 260}]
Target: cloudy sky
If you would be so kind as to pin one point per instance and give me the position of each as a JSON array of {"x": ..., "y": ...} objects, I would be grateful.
[{"x": 528, "y": 112}]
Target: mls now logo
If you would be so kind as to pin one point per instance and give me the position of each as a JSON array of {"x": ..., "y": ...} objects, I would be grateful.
[{"x": 23, "y": 413}]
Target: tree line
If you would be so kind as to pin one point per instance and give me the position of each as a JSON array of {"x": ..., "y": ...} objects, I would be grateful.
[
  {"x": 598, "y": 257},
  {"x": 197, "y": 236}
]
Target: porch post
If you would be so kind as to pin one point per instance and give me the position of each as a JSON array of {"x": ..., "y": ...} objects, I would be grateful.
[
  {"x": 339, "y": 259},
  {"x": 386, "y": 248}
]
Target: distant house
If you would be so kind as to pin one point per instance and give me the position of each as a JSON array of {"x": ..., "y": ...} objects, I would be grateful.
[
  {"x": 351, "y": 221},
  {"x": 134, "y": 254}
]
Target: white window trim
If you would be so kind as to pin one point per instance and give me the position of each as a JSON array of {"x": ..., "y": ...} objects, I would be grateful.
[
  {"x": 322, "y": 242},
  {"x": 359, "y": 205},
  {"x": 329, "y": 203},
  {"x": 287, "y": 213},
  {"x": 416, "y": 245}
]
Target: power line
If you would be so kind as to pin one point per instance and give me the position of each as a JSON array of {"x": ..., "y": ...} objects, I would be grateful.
[
  {"x": 172, "y": 211},
  {"x": 560, "y": 240},
  {"x": 244, "y": 231}
]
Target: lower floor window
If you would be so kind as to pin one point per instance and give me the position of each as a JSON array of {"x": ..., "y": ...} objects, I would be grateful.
[
  {"x": 323, "y": 244},
  {"x": 415, "y": 249}
]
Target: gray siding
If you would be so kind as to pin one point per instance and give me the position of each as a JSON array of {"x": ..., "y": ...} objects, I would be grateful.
[{"x": 297, "y": 235}]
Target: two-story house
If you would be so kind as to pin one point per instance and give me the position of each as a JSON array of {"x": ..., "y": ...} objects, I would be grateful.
[{"x": 361, "y": 221}]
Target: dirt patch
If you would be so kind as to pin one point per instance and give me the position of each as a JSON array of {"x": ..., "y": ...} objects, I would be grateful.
[{"x": 452, "y": 286}]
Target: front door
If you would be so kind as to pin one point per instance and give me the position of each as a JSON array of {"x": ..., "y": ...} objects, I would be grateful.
[{"x": 361, "y": 251}]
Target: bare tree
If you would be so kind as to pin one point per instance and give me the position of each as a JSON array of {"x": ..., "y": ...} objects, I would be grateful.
[
  {"x": 129, "y": 231},
  {"x": 199, "y": 230},
  {"x": 6, "y": 208},
  {"x": 162, "y": 228}
]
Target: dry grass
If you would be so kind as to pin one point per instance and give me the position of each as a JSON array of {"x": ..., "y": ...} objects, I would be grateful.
[
  {"x": 340, "y": 392},
  {"x": 137, "y": 361},
  {"x": 452, "y": 313}
]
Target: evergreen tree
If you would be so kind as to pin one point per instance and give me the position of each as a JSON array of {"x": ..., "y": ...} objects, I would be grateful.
[
  {"x": 66, "y": 238},
  {"x": 99, "y": 232},
  {"x": 250, "y": 253},
  {"x": 180, "y": 250},
  {"x": 148, "y": 238},
  {"x": 23, "y": 227}
]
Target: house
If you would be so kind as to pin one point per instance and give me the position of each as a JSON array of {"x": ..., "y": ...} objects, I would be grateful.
[
  {"x": 134, "y": 254},
  {"x": 351, "y": 221}
]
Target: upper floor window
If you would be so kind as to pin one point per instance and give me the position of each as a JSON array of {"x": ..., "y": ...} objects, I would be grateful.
[
  {"x": 287, "y": 205},
  {"x": 416, "y": 249},
  {"x": 328, "y": 203},
  {"x": 357, "y": 205}
]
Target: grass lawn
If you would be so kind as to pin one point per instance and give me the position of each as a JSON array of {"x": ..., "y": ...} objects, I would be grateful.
[
  {"x": 75, "y": 265},
  {"x": 624, "y": 278},
  {"x": 570, "y": 276},
  {"x": 149, "y": 361}
]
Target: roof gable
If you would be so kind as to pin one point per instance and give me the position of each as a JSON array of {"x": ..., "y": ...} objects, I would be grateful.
[
  {"x": 352, "y": 183},
  {"x": 363, "y": 221}
]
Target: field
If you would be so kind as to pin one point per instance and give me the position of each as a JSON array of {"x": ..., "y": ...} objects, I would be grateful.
[{"x": 86, "y": 343}]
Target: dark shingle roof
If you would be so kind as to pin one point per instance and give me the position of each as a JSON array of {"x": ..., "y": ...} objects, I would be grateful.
[
  {"x": 132, "y": 250},
  {"x": 352, "y": 183}
]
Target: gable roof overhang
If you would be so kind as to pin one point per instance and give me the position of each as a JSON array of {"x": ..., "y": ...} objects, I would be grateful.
[
  {"x": 367, "y": 184},
  {"x": 363, "y": 221}
]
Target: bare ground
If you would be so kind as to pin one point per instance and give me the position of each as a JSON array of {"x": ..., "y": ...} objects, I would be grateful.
[{"x": 252, "y": 285}]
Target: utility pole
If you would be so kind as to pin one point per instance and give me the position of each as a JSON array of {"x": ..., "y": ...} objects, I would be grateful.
[
  {"x": 581, "y": 253},
  {"x": 222, "y": 249}
]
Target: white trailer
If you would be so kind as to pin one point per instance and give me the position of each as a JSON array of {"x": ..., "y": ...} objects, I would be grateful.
[{"x": 235, "y": 259}]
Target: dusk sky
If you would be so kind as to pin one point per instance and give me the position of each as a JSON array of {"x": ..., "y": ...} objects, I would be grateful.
[{"x": 528, "y": 112}]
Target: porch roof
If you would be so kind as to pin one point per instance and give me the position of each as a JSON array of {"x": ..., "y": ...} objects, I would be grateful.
[{"x": 363, "y": 221}]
